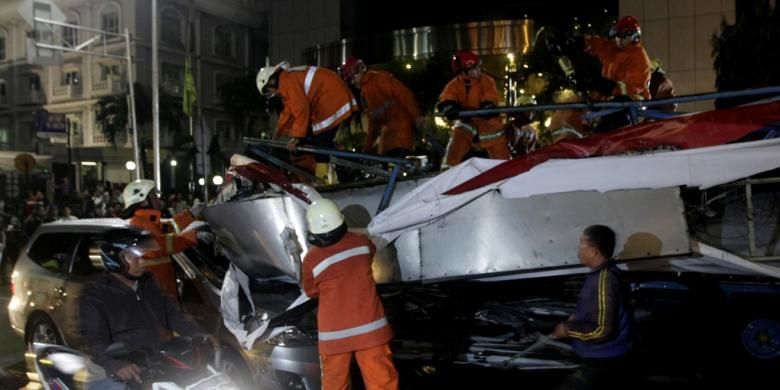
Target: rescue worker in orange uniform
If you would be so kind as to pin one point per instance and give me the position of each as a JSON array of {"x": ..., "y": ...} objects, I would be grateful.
[
  {"x": 391, "y": 108},
  {"x": 623, "y": 59},
  {"x": 471, "y": 90},
  {"x": 142, "y": 207},
  {"x": 351, "y": 319},
  {"x": 316, "y": 101}
]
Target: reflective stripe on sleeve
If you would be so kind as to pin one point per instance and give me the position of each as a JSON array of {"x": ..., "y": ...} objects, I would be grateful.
[{"x": 338, "y": 257}]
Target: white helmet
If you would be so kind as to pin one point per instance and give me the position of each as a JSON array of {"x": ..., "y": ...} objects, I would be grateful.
[
  {"x": 265, "y": 74},
  {"x": 137, "y": 191},
  {"x": 323, "y": 216}
]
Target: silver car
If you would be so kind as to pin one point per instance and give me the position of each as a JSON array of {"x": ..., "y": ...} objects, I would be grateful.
[{"x": 61, "y": 257}]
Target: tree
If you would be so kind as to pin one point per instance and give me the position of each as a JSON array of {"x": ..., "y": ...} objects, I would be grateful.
[
  {"x": 243, "y": 102},
  {"x": 111, "y": 113},
  {"x": 746, "y": 53}
]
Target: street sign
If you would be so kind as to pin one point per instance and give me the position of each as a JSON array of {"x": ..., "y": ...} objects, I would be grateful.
[
  {"x": 48, "y": 125},
  {"x": 24, "y": 162}
]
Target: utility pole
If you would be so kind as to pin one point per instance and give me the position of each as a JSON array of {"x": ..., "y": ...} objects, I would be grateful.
[
  {"x": 155, "y": 99},
  {"x": 83, "y": 48}
]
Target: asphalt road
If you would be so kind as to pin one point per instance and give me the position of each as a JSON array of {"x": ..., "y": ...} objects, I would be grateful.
[{"x": 11, "y": 349}]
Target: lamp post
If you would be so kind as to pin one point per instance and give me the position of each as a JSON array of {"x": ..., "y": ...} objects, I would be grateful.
[
  {"x": 174, "y": 163},
  {"x": 130, "y": 166}
]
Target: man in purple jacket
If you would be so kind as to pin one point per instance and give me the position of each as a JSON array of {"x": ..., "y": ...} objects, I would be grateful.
[{"x": 601, "y": 328}]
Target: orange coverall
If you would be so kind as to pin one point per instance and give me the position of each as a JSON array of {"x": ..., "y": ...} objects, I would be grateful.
[
  {"x": 314, "y": 98},
  {"x": 469, "y": 94},
  {"x": 391, "y": 109},
  {"x": 351, "y": 318},
  {"x": 630, "y": 67},
  {"x": 168, "y": 240}
]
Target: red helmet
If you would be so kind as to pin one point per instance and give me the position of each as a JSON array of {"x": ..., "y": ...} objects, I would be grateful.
[
  {"x": 464, "y": 60},
  {"x": 350, "y": 67},
  {"x": 626, "y": 27}
]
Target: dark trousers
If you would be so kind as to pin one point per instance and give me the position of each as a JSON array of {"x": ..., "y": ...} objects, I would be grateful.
[{"x": 602, "y": 374}]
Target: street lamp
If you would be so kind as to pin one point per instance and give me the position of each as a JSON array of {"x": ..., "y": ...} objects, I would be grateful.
[
  {"x": 201, "y": 181},
  {"x": 130, "y": 166},
  {"x": 217, "y": 180},
  {"x": 174, "y": 163}
]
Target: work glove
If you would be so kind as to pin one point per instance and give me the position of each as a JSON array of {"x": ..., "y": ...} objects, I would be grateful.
[
  {"x": 205, "y": 237},
  {"x": 486, "y": 106},
  {"x": 449, "y": 109},
  {"x": 197, "y": 210}
]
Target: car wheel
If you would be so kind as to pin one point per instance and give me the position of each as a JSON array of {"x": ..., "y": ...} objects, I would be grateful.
[
  {"x": 761, "y": 338},
  {"x": 41, "y": 329}
]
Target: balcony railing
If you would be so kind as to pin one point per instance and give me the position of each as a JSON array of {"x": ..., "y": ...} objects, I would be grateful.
[
  {"x": 30, "y": 96},
  {"x": 107, "y": 87},
  {"x": 66, "y": 92}
]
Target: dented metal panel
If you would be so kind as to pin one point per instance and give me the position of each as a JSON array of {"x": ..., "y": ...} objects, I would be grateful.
[
  {"x": 488, "y": 236},
  {"x": 248, "y": 232},
  {"x": 495, "y": 235}
]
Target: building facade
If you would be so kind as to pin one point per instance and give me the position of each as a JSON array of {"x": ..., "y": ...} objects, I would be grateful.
[{"x": 227, "y": 38}]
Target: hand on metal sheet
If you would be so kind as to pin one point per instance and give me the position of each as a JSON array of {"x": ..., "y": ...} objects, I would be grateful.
[
  {"x": 197, "y": 210},
  {"x": 206, "y": 237},
  {"x": 292, "y": 145}
]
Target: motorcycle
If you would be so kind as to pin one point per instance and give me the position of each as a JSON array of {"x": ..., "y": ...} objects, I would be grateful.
[{"x": 180, "y": 364}]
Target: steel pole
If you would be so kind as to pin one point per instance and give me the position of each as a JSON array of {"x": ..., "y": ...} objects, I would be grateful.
[
  {"x": 156, "y": 99},
  {"x": 131, "y": 103}
]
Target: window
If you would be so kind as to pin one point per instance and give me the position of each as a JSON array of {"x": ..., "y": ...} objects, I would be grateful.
[
  {"x": 170, "y": 27},
  {"x": 109, "y": 18},
  {"x": 2, "y": 89},
  {"x": 109, "y": 72},
  {"x": 87, "y": 261},
  {"x": 223, "y": 41},
  {"x": 3, "y": 135},
  {"x": 220, "y": 79},
  {"x": 2, "y": 44},
  {"x": 71, "y": 78},
  {"x": 227, "y": 130},
  {"x": 34, "y": 81},
  {"x": 53, "y": 251},
  {"x": 172, "y": 78},
  {"x": 70, "y": 34}
]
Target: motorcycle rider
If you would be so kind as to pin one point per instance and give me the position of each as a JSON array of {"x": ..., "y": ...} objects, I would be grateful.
[{"x": 125, "y": 305}]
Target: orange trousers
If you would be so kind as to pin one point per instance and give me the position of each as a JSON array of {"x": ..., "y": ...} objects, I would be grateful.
[
  {"x": 460, "y": 144},
  {"x": 376, "y": 366}
]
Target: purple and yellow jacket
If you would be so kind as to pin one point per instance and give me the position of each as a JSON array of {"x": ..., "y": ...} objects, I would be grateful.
[{"x": 603, "y": 321}]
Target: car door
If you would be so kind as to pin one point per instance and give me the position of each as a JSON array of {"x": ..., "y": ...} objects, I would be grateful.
[
  {"x": 86, "y": 265},
  {"x": 52, "y": 252}
]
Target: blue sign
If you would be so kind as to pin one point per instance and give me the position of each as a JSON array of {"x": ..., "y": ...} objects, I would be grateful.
[{"x": 48, "y": 125}]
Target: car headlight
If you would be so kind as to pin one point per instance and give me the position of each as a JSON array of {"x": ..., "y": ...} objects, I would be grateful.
[{"x": 292, "y": 337}]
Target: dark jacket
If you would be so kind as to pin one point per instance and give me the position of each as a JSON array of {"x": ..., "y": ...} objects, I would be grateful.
[
  {"x": 603, "y": 322},
  {"x": 110, "y": 311}
]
